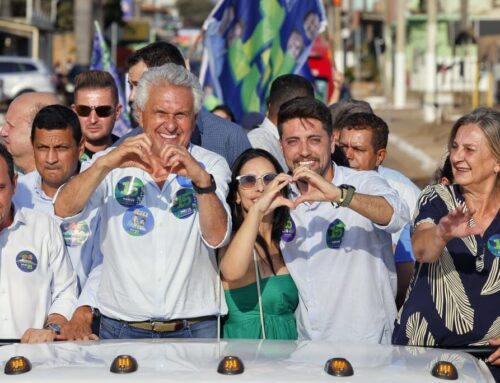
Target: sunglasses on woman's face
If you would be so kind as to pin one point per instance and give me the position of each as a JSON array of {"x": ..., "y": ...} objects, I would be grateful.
[
  {"x": 248, "y": 181},
  {"x": 101, "y": 111}
]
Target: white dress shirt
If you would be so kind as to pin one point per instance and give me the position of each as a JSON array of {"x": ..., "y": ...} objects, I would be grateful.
[
  {"x": 407, "y": 190},
  {"x": 79, "y": 236},
  {"x": 36, "y": 277},
  {"x": 157, "y": 265},
  {"x": 343, "y": 266}
]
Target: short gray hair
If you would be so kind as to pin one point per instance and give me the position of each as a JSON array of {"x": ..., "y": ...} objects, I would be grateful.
[{"x": 171, "y": 74}]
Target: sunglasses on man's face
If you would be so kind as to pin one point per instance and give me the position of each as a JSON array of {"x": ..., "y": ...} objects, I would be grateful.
[
  {"x": 101, "y": 111},
  {"x": 248, "y": 181}
]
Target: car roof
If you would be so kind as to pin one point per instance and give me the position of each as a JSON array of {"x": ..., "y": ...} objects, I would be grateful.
[
  {"x": 19, "y": 59},
  {"x": 194, "y": 360}
]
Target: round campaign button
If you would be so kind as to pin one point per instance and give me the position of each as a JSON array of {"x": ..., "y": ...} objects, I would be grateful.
[
  {"x": 335, "y": 233},
  {"x": 26, "y": 261},
  {"x": 129, "y": 191},
  {"x": 75, "y": 233},
  {"x": 185, "y": 203},
  {"x": 138, "y": 220},
  {"x": 289, "y": 230},
  {"x": 494, "y": 245}
]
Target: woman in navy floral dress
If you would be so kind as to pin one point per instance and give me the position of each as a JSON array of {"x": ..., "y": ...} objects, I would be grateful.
[{"x": 454, "y": 296}]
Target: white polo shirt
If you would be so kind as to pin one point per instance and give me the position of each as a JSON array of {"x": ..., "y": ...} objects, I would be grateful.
[
  {"x": 79, "y": 236},
  {"x": 343, "y": 266},
  {"x": 156, "y": 263},
  {"x": 36, "y": 277}
]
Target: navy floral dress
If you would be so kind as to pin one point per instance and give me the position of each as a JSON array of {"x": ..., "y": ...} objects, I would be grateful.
[{"x": 454, "y": 301}]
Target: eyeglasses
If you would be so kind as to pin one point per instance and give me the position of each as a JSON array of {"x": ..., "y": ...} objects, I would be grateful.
[
  {"x": 101, "y": 111},
  {"x": 248, "y": 181}
]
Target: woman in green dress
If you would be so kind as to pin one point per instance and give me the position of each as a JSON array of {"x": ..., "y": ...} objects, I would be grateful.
[{"x": 260, "y": 293}]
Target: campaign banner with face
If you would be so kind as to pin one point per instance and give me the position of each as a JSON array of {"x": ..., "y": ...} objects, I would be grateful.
[{"x": 249, "y": 43}]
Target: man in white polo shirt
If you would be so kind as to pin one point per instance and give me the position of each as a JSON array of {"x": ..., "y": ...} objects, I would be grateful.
[
  {"x": 37, "y": 285},
  {"x": 57, "y": 145},
  {"x": 363, "y": 139},
  {"x": 337, "y": 245},
  {"x": 163, "y": 213}
]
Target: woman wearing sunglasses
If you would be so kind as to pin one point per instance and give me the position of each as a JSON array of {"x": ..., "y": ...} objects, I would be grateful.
[{"x": 260, "y": 293}]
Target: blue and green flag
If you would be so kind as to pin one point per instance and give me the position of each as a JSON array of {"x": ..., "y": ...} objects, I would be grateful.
[
  {"x": 248, "y": 43},
  {"x": 101, "y": 60}
]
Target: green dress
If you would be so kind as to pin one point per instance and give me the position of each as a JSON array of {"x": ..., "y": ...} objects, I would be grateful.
[{"x": 279, "y": 301}]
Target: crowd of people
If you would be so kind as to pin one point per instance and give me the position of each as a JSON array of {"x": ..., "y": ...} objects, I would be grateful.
[{"x": 186, "y": 226}]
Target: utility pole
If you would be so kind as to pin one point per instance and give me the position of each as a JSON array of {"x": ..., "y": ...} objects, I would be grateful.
[
  {"x": 430, "y": 63},
  {"x": 387, "y": 84},
  {"x": 83, "y": 10},
  {"x": 338, "y": 54},
  {"x": 400, "y": 57}
]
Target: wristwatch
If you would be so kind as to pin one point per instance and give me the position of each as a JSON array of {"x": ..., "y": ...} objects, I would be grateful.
[
  {"x": 54, "y": 327},
  {"x": 208, "y": 189},
  {"x": 346, "y": 195}
]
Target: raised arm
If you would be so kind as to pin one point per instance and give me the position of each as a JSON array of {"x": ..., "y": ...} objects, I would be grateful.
[
  {"x": 375, "y": 208},
  {"x": 73, "y": 196},
  {"x": 429, "y": 240},
  {"x": 237, "y": 257},
  {"x": 212, "y": 214}
]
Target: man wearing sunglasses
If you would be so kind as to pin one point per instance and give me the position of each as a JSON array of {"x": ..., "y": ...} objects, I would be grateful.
[
  {"x": 97, "y": 107},
  {"x": 162, "y": 203},
  {"x": 338, "y": 246}
]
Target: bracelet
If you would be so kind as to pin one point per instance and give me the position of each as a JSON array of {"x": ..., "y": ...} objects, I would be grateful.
[{"x": 342, "y": 198}]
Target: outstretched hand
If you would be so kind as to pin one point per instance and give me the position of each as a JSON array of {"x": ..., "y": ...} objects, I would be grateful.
[
  {"x": 456, "y": 224},
  {"x": 272, "y": 198},
  {"x": 317, "y": 188}
]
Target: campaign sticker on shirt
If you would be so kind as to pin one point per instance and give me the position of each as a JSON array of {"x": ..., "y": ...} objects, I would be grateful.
[
  {"x": 138, "y": 220},
  {"x": 185, "y": 203},
  {"x": 289, "y": 231},
  {"x": 335, "y": 233},
  {"x": 494, "y": 245},
  {"x": 129, "y": 191},
  {"x": 26, "y": 261},
  {"x": 75, "y": 233}
]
